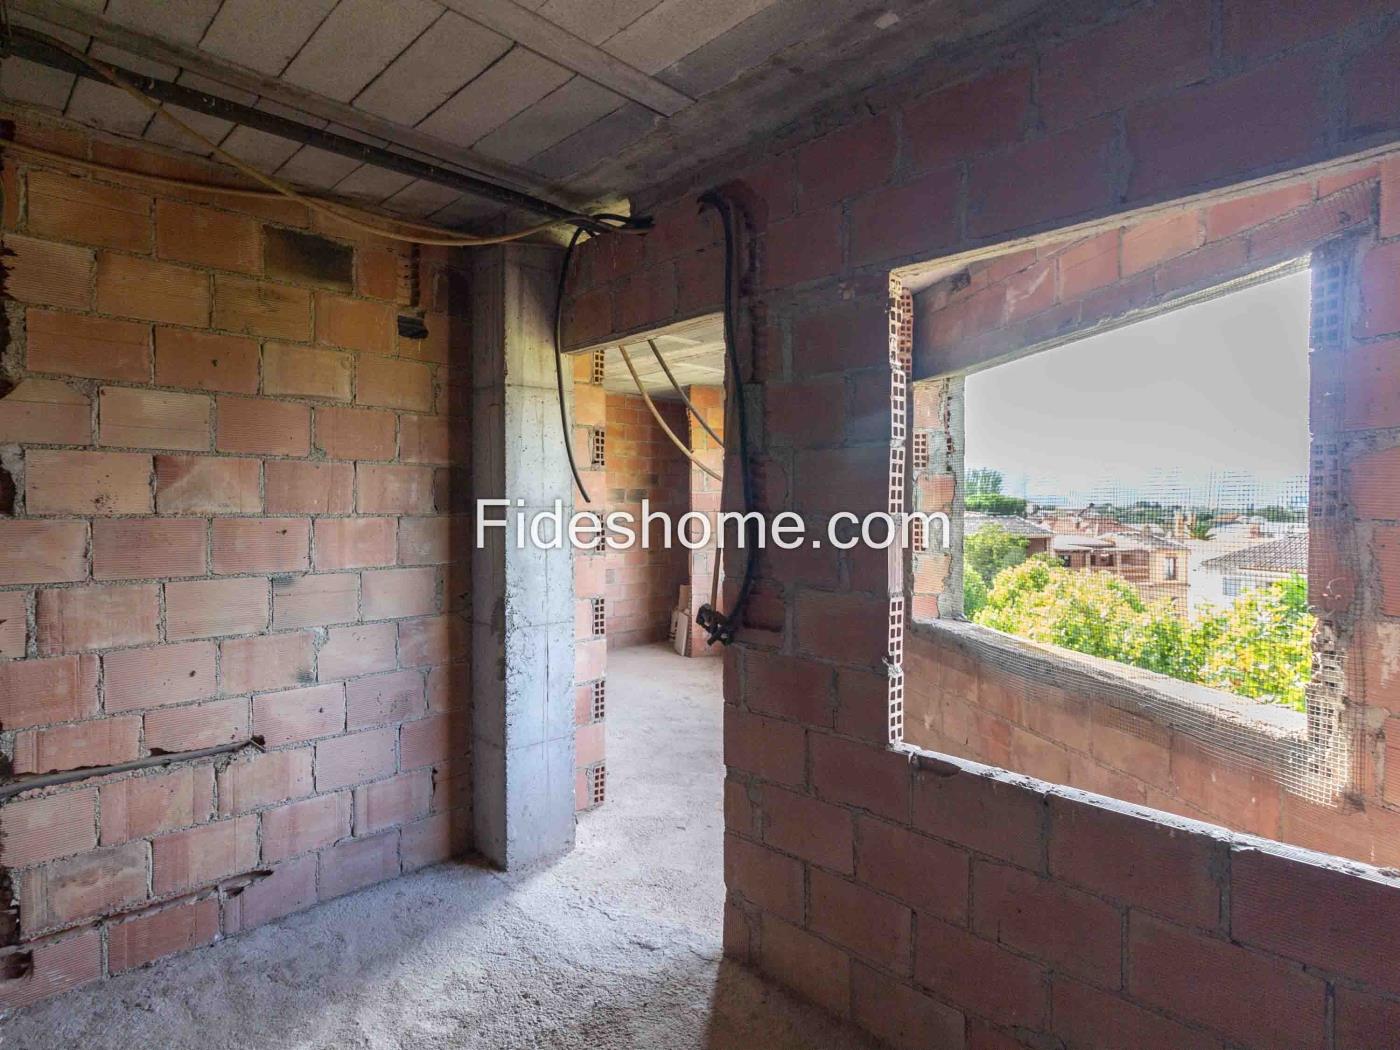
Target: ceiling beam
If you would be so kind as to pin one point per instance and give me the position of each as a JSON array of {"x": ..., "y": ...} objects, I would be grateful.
[
  {"x": 37, "y": 48},
  {"x": 430, "y": 147},
  {"x": 544, "y": 38}
]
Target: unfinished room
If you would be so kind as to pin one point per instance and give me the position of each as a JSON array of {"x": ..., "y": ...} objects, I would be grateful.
[{"x": 754, "y": 523}]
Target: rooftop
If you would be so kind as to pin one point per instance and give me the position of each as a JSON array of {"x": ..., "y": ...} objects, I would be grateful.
[
  {"x": 1287, "y": 555},
  {"x": 974, "y": 522}
]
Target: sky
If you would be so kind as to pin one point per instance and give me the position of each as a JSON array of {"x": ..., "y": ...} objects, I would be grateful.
[{"x": 1209, "y": 397}]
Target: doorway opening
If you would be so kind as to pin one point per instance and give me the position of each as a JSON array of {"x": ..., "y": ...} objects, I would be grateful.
[{"x": 648, "y": 430}]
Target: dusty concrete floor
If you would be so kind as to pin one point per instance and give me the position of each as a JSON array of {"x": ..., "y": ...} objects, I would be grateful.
[{"x": 616, "y": 945}]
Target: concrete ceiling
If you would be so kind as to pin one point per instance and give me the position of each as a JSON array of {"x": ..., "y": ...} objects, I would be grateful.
[
  {"x": 694, "y": 352},
  {"x": 576, "y": 100}
]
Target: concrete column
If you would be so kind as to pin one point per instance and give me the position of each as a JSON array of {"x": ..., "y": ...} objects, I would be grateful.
[{"x": 522, "y": 598}]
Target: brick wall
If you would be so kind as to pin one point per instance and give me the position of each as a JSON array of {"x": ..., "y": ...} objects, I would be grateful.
[
  {"x": 638, "y": 588},
  {"x": 1057, "y": 917},
  {"x": 590, "y": 588},
  {"x": 1092, "y": 736},
  {"x": 705, "y": 493},
  {"x": 944, "y": 904},
  {"x": 644, "y": 584},
  {"x": 1037, "y": 296},
  {"x": 231, "y": 525}
]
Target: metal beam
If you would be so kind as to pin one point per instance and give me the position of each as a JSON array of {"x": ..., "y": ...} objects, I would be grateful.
[
  {"x": 429, "y": 146},
  {"x": 30, "y": 45},
  {"x": 550, "y": 41}
]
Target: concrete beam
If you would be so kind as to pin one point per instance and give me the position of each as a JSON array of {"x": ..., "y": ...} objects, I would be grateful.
[
  {"x": 56, "y": 13},
  {"x": 548, "y": 40},
  {"x": 522, "y": 598}
]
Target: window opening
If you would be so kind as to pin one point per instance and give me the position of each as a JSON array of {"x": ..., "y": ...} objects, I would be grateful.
[{"x": 1118, "y": 487}]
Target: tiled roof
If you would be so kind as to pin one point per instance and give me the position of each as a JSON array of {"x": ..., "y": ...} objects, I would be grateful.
[
  {"x": 1017, "y": 526},
  {"x": 1286, "y": 555}
]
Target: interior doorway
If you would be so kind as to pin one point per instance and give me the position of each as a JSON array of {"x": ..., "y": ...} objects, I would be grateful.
[{"x": 648, "y": 430}]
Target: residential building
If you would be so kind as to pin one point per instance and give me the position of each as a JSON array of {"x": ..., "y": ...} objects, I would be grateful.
[{"x": 1257, "y": 565}]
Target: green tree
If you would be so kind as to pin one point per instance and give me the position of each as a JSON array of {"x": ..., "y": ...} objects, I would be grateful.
[
  {"x": 1167, "y": 644},
  {"x": 1089, "y": 612},
  {"x": 982, "y": 481},
  {"x": 1202, "y": 526},
  {"x": 974, "y": 593},
  {"x": 995, "y": 503},
  {"x": 1264, "y": 646},
  {"x": 989, "y": 550},
  {"x": 1260, "y": 648},
  {"x": 1143, "y": 512}
]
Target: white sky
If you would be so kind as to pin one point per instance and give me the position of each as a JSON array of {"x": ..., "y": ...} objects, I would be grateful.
[{"x": 1219, "y": 388}]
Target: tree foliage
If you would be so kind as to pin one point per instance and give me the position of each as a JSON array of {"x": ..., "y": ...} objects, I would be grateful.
[
  {"x": 1260, "y": 648},
  {"x": 974, "y": 593},
  {"x": 995, "y": 503},
  {"x": 1274, "y": 512},
  {"x": 1142, "y": 512},
  {"x": 1264, "y": 644},
  {"x": 1202, "y": 526},
  {"x": 1094, "y": 613},
  {"x": 983, "y": 481},
  {"x": 990, "y": 549}
]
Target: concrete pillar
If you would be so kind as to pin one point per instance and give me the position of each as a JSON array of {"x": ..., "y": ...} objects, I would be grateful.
[{"x": 522, "y": 598}]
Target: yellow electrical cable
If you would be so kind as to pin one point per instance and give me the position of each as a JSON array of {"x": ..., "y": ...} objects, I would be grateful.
[
  {"x": 98, "y": 167},
  {"x": 113, "y": 171},
  {"x": 335, "y": 212},
  {"x": 719, "y": 560},
  {"x": 661, "y": 422}
]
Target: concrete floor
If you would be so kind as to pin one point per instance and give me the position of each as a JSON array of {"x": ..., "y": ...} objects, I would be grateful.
[{"x": 616, "y": 945}]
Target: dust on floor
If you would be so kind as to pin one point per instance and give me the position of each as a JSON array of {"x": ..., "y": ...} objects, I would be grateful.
[{"x": 615, "y": 945}]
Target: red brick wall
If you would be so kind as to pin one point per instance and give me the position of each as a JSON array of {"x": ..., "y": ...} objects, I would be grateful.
[
  {"x": 958, "y": 704},
  {"x": 1041, "y": 294},
  {"x": 638, "y": 587},
  {"x": 1071, "y": 287},
  {"x": 705, "y": 493},
  {"x": 590, "y": 585},
  {"x": 1057, "y": 918},
  {"x": 947, "y": 904},
  {"x": 232, "y": 522},
  {"x": 643, "y": 584}
]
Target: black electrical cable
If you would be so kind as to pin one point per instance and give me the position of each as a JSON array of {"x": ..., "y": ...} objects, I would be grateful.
[
  {"x": 718, "y": 626},
  {"x": 559, "y": 359}
]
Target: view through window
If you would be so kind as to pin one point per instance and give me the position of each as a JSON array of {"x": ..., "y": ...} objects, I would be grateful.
[{"x": 1141, "y": 495}]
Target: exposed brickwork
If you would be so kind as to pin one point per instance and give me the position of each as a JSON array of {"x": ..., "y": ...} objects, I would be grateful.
[
  {"x": 638, "y": 588},
  {"x": 705, "y": 495},
  {"x": 1079, "y": 737},
  {"x": 643, "y": 464},
  {"x": 208, "y": 548},
  {"x": 590, "y": 413},
  {"x": 1063, "y": 130},
  {"x": 1085, "y": 283},
  {"x": 985, "y": 147}
]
